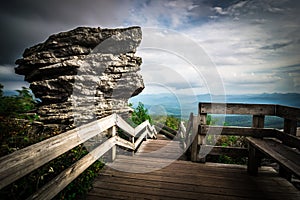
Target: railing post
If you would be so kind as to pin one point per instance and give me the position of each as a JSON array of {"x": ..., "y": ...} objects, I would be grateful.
[
  {"x": 182, "y": 134},
  {"x": 114, "y": 148},
  {"x": 194, "y": 145},
  {"x": 258, "y": 121},
  {"x": 202, "y": 138},
  {"x": 253, "y": 161},
  {"x": 187, "y": 131},
  {"x": 254, "y": 158},
  {"x": 147, "y": 129},
  {"x": 132, "y": 140},
  {"x": 290, "y": 126}
]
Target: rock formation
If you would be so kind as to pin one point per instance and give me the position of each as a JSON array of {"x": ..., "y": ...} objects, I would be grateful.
[{"x": 83, "y": 74}]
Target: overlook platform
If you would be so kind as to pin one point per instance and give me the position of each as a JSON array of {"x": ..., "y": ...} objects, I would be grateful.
[
  {"x": 184, "y": 179},
  {"x": 159, "y": 168}
]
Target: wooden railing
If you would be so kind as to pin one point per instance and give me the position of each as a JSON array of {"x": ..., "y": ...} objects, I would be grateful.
[
  {"x": 167, "y": 131},
  {"x": 196, "y": 131},
  {"x": 24, "y": 161},
  {"x": 188, "y": 132}
]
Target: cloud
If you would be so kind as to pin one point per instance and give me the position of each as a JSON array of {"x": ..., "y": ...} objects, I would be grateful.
[
  {"x": 254, "y": 44},
  {"x": 276, "y": 46},
  {"x": 166, "y": 69},
  {"x": 240, "y": 9},
  {"x": 296, "y": 78},
  {"x": 25, "y": 23},
  {"x": 220, "y": 11},
  {"x": 241, "y": 48},
  {"x": 10, "y": 80},
  {"x": 7, "y": 73},
  {"x": 290, "y": 68},
  {"x": 173, "y": 14},
  {"x": 69, "y": 11},
  {"x": 250, "y": 78},
  {"x": 14, "y": 85}
]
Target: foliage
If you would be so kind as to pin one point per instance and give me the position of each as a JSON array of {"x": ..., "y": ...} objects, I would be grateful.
[
  {"x": 18, "y": 130},
  {"x": 140, "y": 114},
  {"x": 15, "y": 124},
  {"x": 83, "y": 183},
  {"x": 225, "y": 141},
  {"x": 1, "y": 90},
  {"x": 210, "y": 120},
  {"x": 29, "y": 184},
  {"x": 231, "y": 141},
  {"x": 227, "y": 160},
  {"x": 15, "y": 106},
  {"x": 172, "y": 122}
]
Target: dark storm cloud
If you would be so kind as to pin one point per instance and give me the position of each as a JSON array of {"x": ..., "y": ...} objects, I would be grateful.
[
  {"x": 221, "y": 3},
  {"x": 290, "y": 69},
  {"x": 7, "y": 74},
  {"x": 27, "y": 22},
  {"x": 239, "y": 35},
  {"x": 276, "y": 46},
  {"x": 65, "y": 12}
]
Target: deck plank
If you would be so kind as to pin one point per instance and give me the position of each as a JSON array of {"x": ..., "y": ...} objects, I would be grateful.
[{"x": 185, "y": 180}]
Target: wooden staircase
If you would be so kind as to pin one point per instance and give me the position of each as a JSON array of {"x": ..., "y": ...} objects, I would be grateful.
[{"x": 161, "y": 148}]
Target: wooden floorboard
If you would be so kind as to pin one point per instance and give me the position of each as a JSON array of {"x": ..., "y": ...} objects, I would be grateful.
[
  {"x": 162, "y": 149},
  {"x": 185, "y": 180}
]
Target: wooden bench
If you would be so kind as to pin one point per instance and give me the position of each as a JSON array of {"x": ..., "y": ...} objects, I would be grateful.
[
  {"x": 284, "y": 149},
  {"x": 282, "y": 146}
]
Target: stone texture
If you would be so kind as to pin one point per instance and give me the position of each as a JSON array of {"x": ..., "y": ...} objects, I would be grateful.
[{"x": 83, "y": 74}]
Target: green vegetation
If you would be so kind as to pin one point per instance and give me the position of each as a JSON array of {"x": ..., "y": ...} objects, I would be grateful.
[
  {"x": 169, "y": 120},
  {"x": 18, "y": 130},
  {"x": 210, "y": 120},
  {"x": 225, "y": 141},
  {"x": 16, "y": 106},
  {"x": 15, "y": 123},
  {"x": 140, "y": 114},
  {"x": 172, "y": 122}
]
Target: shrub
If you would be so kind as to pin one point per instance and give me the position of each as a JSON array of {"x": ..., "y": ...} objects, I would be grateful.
[
  {"x": 225, "y": 141},
  {"x": 15, "y": 106},
  {"x": 140, "y": 114},
  {"x": 17, "y": 131},
  {"x": 172, "y": 122}
]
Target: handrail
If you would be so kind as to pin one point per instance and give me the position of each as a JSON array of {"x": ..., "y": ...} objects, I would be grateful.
[
  {"x": 167, "y": 131},
  {"x": 286, "y": 112},
  {"x": 184, "y": 132},
  {"x": 199, "y": 127},
  {"x": 288, "y": 136},
  {"x": 24, "y": 161}
]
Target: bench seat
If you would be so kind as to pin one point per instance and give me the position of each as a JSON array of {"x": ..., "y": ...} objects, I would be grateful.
[{"x": 288, "y": 158}]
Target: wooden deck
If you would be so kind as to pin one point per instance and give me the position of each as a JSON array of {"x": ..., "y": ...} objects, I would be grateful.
[{"x": 126, "y": 178}]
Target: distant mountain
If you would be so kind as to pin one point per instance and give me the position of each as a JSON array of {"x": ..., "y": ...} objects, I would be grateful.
[
  {"x": 183, "y": 105},
  {"x": 289, "y": 99},
  {"x": 9, "y": 92}
]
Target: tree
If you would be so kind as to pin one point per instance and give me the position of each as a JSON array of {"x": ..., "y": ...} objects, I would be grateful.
[
  {"x": 1, "y": 90},
  {"x": 12, "y": 106},
  {"x": 140, "y": 114},
  {"x": 18, "y": 131},
  {"x": 172, "y": 122}
]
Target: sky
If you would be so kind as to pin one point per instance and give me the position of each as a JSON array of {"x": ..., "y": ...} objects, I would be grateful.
[{"x": 198, "y": 46}]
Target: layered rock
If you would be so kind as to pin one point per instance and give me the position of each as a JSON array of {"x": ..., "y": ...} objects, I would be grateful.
[{"x": 83, "y": 74}]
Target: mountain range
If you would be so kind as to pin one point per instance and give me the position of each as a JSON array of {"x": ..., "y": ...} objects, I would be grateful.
[{"x": 183, "y": 105}]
